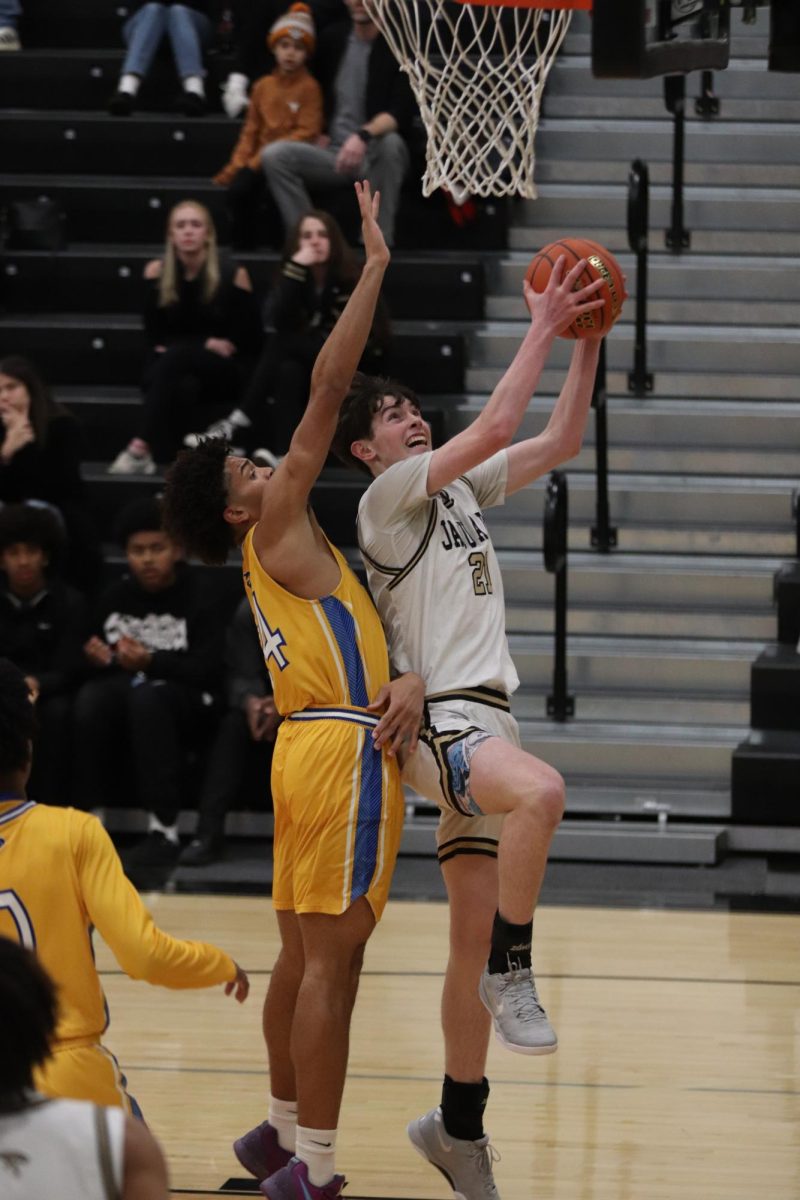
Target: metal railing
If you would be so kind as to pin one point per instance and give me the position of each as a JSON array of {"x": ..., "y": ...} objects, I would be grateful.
[
  {"x": 677, "y": 237},
  {"x": 640, "y": 380},
  {"x": 560, "y": 704},
  {"x": 603, "y": 535}
]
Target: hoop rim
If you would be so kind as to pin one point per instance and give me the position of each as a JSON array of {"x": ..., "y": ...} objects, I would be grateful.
[{"x": 575, "y": 4}]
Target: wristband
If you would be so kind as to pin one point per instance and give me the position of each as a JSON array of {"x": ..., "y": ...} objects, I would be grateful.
[{"x": 365, "y": 136}]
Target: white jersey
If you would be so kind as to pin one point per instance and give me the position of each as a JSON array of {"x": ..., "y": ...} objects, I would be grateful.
[
  {"x": 434, "y": 575},
  {"x": 68, "y": 1149}
]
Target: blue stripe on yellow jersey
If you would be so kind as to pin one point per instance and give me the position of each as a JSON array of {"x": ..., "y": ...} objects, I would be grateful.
[{"x": 329, "y": 652}]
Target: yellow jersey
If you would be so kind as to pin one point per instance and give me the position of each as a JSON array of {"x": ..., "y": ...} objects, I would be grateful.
[
  {"x": 322, "y": 654},
  {"x": 60, "y": 877}
]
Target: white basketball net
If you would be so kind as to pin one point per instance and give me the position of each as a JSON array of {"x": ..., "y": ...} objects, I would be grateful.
[{"x": 478, "y": 73}]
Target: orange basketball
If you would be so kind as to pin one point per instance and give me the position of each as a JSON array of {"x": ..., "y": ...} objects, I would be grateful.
[{"x": 601, "y": 264}]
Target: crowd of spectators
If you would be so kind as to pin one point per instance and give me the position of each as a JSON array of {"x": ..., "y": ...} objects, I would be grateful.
[{"x": 138, "y": 693}]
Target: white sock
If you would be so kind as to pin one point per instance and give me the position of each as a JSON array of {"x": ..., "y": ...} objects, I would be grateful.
[
  {"x": 129, "y": 84},
  {"x": 194, "y": 83},
  {"x": 170, "y": 832},
  {"x": 239, "y": 419},
  {"x": 283, "y": 1119},
  {"x": 317, "y": 1149}
]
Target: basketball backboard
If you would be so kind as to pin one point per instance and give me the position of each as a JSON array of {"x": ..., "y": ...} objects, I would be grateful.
[{"x": 638, "y": 39}]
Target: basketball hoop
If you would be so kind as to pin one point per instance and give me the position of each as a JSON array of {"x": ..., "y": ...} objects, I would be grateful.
[{"x": 477, "y": 69}]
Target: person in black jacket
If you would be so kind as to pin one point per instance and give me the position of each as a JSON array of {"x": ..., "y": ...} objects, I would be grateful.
[
  {"x": 316, "y": 279},
  {"x": 204, "y": 331},
  {"x": 41, "y": 625},
  {"x": 155, "y": 662},
  {"x": 369, "y": 111},
  {"x": 40, "y": 461},
  {"x": 244, "y": 740}
]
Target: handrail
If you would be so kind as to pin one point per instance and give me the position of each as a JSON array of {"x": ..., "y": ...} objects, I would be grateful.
[
  {"x": 560, "y": 705},
  {"x": 677, "y": 237},
  {"x": 603, "y": 535},
  {"x": 640, "y": 380}
]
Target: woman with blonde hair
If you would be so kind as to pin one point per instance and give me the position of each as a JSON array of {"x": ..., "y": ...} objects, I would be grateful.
[{"x": 203, "y": 332}]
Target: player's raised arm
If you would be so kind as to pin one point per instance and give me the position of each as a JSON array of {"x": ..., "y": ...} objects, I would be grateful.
[
  {"x": 337, "y": 362},
  {"x": 493, "y": 429},
  {"x": 562, "y": 437}
]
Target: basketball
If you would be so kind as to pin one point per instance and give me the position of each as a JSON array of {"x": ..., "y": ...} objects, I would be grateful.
[{"x": 601, "y": 264}]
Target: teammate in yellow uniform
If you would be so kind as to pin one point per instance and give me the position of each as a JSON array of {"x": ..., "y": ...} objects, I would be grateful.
[
  {"x": 60, "y": 878},
  {"x": 335, "y": 783}
]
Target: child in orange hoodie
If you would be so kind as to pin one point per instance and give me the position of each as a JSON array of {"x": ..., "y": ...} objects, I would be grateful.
[{"x": 284, "y": 106}]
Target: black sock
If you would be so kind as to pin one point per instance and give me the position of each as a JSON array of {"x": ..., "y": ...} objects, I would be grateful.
[
  {"x": 511, "y": 946},
  {"x": 462, "y": 1108}
]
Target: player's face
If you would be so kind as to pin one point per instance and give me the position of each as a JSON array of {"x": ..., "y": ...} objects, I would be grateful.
[
  {"x": 246, "y": 483},
  {"x": 152, "y": 556},
  {"x": 24, "y": 565},
  {"x": 398, "y": 431},
  {"x": 290, "y": 55}
]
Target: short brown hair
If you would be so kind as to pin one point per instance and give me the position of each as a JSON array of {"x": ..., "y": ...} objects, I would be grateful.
[{"x": 364, "y": 400}]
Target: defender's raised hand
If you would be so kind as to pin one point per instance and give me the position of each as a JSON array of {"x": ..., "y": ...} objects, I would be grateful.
[{"x": 375, "y": 247}]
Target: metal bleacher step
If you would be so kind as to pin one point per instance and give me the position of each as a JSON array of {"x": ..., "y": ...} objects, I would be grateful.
[
  {"x": 664, "y": 512},
  {"x": 702, "y": 437},
  {"x": 670, "y": 667},
  {"x": 674, "y": 347}
]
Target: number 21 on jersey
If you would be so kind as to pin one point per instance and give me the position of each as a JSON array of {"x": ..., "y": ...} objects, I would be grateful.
[{"x": 481, "y": 577}]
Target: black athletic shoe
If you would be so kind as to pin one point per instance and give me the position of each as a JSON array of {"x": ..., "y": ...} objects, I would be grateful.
[
  {"x": 202, "y": 851},
  {"x": 153, "y": 851},
  {"x": 121, "y": 104},
  {"x": 192, "y": 105}
]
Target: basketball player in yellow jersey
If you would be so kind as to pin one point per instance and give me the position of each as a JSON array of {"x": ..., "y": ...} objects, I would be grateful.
[
  {"x": 60, "y": 878},
  {"x": 335, "y": 783}
]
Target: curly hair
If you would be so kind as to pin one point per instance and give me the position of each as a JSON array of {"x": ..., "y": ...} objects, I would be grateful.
[
  {"x": 28, "y": 1015},
  {"x": 194, "y": 501},
  {"x": 17, "y": 718},
  {"x": 364, "y": 399},
  {"x": 144, "y": 515}
]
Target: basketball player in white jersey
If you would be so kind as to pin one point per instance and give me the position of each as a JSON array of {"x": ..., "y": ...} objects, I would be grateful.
[
  {"x": 66, "y": 1148},
  {"x": 436, "y": 582}
]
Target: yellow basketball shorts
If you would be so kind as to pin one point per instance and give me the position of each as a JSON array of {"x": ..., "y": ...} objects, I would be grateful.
[
  {"x": 339, "y": 813},
  {"x": 439, "y": 769},
  {"x": 87, "y": 1072}
]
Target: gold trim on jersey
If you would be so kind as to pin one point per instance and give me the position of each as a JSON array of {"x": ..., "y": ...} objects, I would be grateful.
[
  {"x": 400, "y": 573},
  {"x": 467, "y": 845},
  {"x": 491, "y": 697}
]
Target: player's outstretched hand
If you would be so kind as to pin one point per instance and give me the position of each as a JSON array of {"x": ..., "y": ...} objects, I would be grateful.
[
  {"x": 559, "y": 304},
  {"x": 400, "y": 705},
  {"x": 240, "y": 986},
  {"x": 375, "y": 247}
]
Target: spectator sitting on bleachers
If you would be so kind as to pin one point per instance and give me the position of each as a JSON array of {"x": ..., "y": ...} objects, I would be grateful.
[
  {"x": 40, "y": 462},
  {"x": 252, "y": 20},
  {"x": 244, "y": 739},
  {"x": 369, "y": 112},
  {"x": 10, "y": 12},
  {"x": 156, "y": 665},
  {"x": 316, "y": 279},
  {"x": 284, "y": 106},
  {"x": 203, "y": 329},
  {"x": 189, "y": 29},
  {"x": 41, "y": 631}
]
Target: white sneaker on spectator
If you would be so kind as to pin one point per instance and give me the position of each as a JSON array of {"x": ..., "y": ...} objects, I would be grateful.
[
  {"x": 224, "y": 428},
  {"x": 132, "y": 462},
  {"x": 265, "y": 458},
  {"x": 9, "y": 38},
  {"x": 234, "y": 94}
]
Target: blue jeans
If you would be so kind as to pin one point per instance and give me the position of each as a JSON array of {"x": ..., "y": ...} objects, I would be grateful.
[
  {"x": 188, "y": 31},
  {"x": 10, "y": 11}
]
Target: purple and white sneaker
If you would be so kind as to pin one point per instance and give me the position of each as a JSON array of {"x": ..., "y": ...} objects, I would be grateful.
[
  {"x": 260, "y": 1152},
  {"x": 292, "y": 1183}
]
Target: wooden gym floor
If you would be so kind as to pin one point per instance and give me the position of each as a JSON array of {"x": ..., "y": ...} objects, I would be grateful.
[{"x": 676, "y": 1077}]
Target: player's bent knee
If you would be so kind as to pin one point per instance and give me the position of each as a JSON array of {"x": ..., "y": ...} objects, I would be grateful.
[{"x": 551, "y": 796}]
